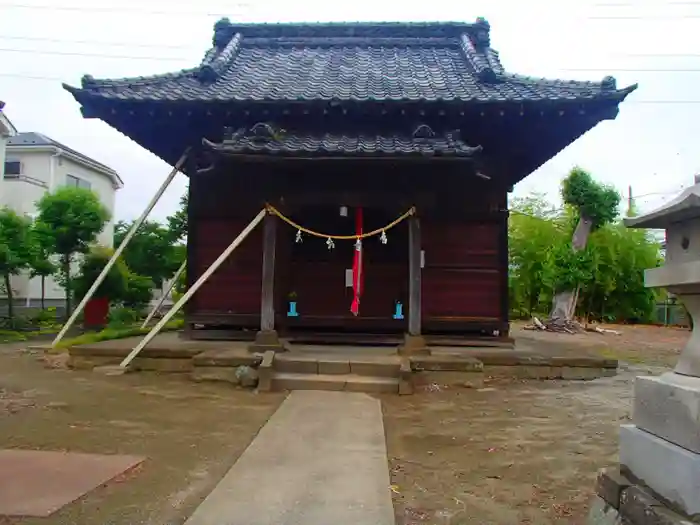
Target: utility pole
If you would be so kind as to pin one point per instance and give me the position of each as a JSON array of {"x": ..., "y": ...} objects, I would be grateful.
[{"x": 629, "y": 201}]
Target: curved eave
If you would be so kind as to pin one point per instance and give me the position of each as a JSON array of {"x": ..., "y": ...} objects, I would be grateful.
[
  {"x": 87, "y": 95},
  {"x": 685, "y": 207},
  {"x": 321, "y": 154}
]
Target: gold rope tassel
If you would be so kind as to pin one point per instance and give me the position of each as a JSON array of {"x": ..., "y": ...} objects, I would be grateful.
[{"x": 379, "y": 231}]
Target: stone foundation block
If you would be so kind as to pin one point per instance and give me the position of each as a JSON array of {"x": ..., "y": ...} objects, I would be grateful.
[
  {"x": 414, "y": 345},
  {"x": 405, "y": 377},
  {"x": 610, "y": 484},
  {"x": 265, "y": 372},
  {"x": 602, "y": 513},
  {"x": 266, "y": 340},
  {"x": 669, "y": 470},
  {"x": 669, "y": 407},
  {"x": 639, "y": 507},
  {"x": 151, "y": 364},
  {"x": 580, "y": 373}
]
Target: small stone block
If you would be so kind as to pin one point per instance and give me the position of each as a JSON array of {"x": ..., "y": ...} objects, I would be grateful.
[
  {"x": 610, "y": 484},
  {"x": 414, "y": 345},
  {"x": 334, "y": 367},
  {"x": 110, "y": 370},
  {"x": 376, "y": 369},
  {"x": 284, "y": 382},
  {"x": 296, "y": 364},
  {"x": 162, "y": 364},
  {"x": 669, "y": 407},
  {"x": 639, "y": 507},
  {"x": 265, "y": 372},
  {"x": 669, "y": 470},
  {"x": 266, "y": 340},
  {"x": 602, "y": 513},
  {"x": 582, "y": 373},
  {"x": 449, "y": 363},
  {"x": 372, "y": 385},
  {"x": 405, "y": 377}
]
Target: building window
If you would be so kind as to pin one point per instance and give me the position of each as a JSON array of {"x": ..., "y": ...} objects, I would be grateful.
[
  {"x": 73, "y": 181},
  {"x": 13, "y": 169}
]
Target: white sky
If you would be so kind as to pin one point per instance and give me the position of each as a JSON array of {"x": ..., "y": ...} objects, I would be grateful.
[{"x": 652, "y": 145}]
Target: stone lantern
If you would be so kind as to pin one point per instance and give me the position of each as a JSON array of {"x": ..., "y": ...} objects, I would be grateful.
[{"x": 659, "y": 474}]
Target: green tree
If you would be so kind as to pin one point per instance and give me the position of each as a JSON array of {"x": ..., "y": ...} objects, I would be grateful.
[
  {"x": 609, "y": 273},
  {"x": 595, "y": 206},
  {"x": 41, "y": 264},
  {"x": 177, "y": 223},
  {"x": 74, "y": 216},
  {"x": 151, "y": 252},
  {"x": 535, "y": 232},
  {"x": 15, "y": 251}
]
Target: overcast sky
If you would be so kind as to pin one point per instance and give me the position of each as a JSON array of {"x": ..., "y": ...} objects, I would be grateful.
[{"x": 652, "y": 146}]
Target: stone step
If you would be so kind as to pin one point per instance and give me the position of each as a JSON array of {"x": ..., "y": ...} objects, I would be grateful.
[
  {"x": 336, "y": 382},
  {"x": 379, "y": 366}
]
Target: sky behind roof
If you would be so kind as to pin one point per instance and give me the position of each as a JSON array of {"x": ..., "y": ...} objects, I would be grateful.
[{"x": 651, "y": 146}]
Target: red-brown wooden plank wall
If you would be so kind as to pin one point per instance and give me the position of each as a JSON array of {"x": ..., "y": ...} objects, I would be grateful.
[
  {"x": 461, "y": 278},
  {"x": 236, "y": 286}
]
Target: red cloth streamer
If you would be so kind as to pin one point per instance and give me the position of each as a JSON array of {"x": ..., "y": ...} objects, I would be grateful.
[{"x": 358, "y": 276}]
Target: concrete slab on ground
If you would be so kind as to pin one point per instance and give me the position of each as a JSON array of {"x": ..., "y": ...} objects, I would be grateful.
[
  {"x": 38, "y": 483},
  {"x": 320, "y": 459}
]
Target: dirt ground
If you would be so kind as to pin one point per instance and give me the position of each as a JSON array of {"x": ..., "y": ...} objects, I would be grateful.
[
  {"x": 191, "y": 434},
  {"x": 513, "y": 452},
  {"x": 518, "y": 452}
]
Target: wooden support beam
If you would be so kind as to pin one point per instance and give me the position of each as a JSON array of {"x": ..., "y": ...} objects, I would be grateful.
[
  {"x": 267, "y": 303},
  {"x": 414, "y": 276},
  {"x": 414, "y": 342}
]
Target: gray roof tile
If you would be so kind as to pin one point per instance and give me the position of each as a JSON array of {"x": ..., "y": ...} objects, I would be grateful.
[
  {"x": 353, "y": 62},
  {"x": 266, "y": 139}
]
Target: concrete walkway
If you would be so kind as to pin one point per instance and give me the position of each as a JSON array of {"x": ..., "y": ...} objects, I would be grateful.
[{"x": 320, "y": 459}]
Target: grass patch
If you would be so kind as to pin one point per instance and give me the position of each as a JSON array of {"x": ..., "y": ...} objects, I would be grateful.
[
  {"x": 10, "y": 336},
  {"x": 109, "y": 334}
]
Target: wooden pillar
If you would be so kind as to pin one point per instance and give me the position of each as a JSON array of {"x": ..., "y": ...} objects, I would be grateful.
[
  {"x": 267, "y": 303},
  {"x": 414, "y": 276},
  {"x": 267, "y": 339},
  {"x": 414, "y": 342}
]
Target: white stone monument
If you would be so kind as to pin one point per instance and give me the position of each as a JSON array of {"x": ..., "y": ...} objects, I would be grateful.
[{"x": 660, "y": 450}]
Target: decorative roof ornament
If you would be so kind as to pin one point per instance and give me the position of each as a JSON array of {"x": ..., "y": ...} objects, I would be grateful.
[
  {"x": 423, "y": 131},
  {"x": 609, "y": 82},
  {"x": 222, "y": 33},
  {"x": 482, "y": 34}
]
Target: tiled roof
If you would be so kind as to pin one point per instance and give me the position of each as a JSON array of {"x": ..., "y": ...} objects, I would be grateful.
[
  {"x": 361, "y": 61},
  {"x": 33, "y": 139},
  {"x": 268, "y": 140}
]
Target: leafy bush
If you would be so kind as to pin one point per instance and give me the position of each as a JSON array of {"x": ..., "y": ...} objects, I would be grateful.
[
  {"x": 138, "y": 292},
  {"x": 122, "y": 316},
  {"x": 115, "y": 283}
]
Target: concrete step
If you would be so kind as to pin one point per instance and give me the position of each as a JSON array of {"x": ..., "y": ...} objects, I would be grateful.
[
  {"x": 337, "y": 382},
  {"x": 378, "y": 366}
]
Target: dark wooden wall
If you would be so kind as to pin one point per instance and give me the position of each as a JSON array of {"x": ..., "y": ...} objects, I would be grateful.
[{"x": 462, "y": 237}]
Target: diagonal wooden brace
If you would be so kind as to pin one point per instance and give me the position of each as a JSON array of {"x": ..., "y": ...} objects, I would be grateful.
[{"x": 191, "y": 291}]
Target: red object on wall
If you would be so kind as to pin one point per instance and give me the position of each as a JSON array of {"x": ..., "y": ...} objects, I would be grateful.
[{"x": 96, "y": 312}]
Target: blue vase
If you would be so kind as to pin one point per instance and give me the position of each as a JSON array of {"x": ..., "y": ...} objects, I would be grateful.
[
  {"x": 292, "y": 309},
  {"x": 398, "y": 314}
]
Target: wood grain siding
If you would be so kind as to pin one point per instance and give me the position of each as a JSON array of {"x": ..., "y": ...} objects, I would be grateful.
[
  {"x": 461, "y": 280},
  {"x": 236, "y": 286}
]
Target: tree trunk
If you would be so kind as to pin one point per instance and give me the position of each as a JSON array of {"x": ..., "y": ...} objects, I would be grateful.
[
  {"x": 68, "y": 284},
  {"x": 43, "y": 291},
  {"x": 10, "y": 306},
  {"x": 564, "y": 302}
]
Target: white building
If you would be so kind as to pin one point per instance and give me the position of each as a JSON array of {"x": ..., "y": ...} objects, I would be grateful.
[
  {"x": 7, "y": 130},
  {"x": 35, "y": 164}
]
